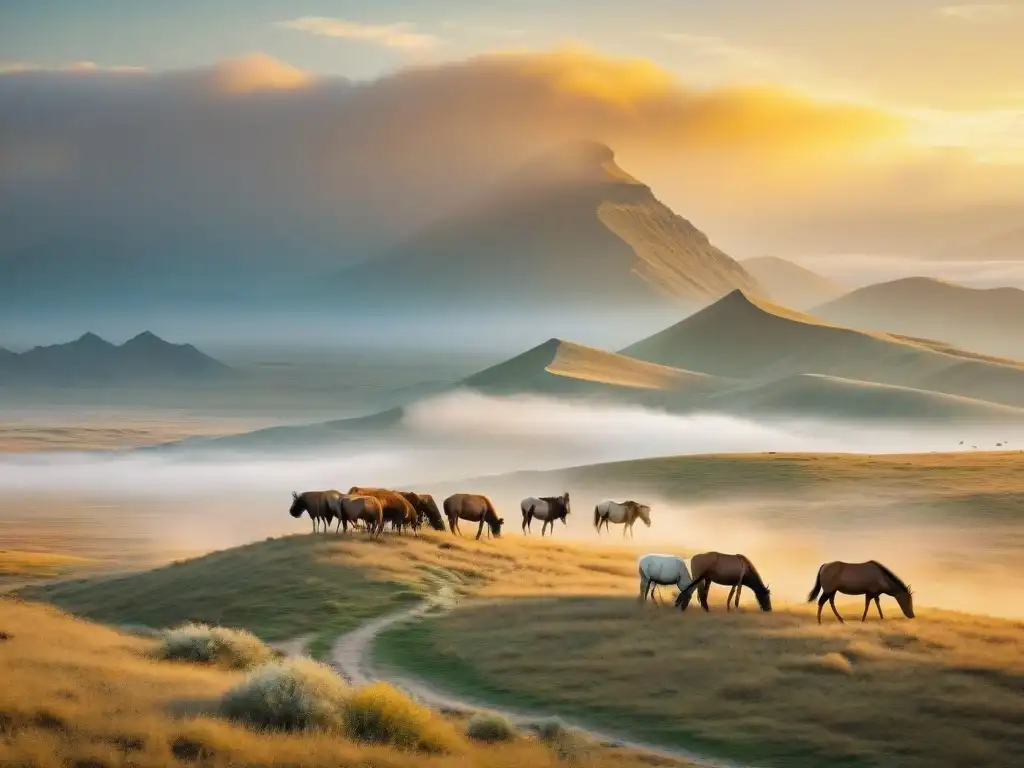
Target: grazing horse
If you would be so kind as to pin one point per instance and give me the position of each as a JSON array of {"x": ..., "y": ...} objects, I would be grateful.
[
  {"x": 395, "y": 507},
  {"x": 425, "y": 508},
  {"x": 321, "y": 506},
  {"x": 658, "y": 570},
  {"x": 546, "y": 508},
  {"x": 870, "y": 579},
  {"x": 368, "y": 509},
  {"x": 733, "y": 571},
  {"x": 621, "y": 513},
  {"x": 472, "y": 507}
]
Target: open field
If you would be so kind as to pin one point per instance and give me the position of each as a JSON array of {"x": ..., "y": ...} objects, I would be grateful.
[
  {"x": 77, "y": 694},
  {"x": 772, "y": 689},
  {"x": 553, "y": 627}
]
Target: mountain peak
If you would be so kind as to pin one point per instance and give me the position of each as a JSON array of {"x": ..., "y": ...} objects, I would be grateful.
[
  {"x": 91, "y": 339},
  {"x": 147, "y": 339},
  {"x": 582, "y": 161}
]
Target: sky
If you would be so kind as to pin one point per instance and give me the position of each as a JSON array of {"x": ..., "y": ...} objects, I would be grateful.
[
  {"x": 955, "y": 65},
  {"x": 772, "y": 124}
]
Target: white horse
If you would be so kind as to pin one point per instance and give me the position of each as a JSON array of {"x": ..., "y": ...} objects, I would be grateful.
[
  {"x": 658, "y": 570},
  {"x": 621, "y": 513},
  {"x": 545, "y": 508}
]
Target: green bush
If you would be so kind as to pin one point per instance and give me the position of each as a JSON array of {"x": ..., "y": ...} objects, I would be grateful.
[
  {"x": 380, "y": 714},
  {"x": 291, "y": 695},
  {"x": 201, "y": 644},
  {"x": 568, "y": 743},
  {"x": 490, "y": 727}
]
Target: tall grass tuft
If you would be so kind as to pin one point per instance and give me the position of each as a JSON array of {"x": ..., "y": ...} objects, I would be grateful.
[
  {"x": 202, "y": 644},
  {"x": 291, "y": 695},
  {"x": 490, "y": 727},
  {"x": 380, "y": 714},
  {"x": 568, "y": 743}
]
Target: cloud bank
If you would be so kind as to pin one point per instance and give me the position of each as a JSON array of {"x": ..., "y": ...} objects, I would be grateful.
[{"x": 230, "y": 166}]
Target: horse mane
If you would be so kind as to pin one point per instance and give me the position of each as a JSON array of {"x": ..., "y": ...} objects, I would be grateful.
[
  {"x": 755, "y": 575},
  {"x": 896, "y": 579}
]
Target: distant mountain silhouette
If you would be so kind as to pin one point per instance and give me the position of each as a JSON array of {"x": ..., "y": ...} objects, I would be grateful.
[
  {"x": 571, "y": 229},
  {"x": 89, "y": 359},
  {"x": 989, "y": 320},
  {"x": 790, "y": 284}
]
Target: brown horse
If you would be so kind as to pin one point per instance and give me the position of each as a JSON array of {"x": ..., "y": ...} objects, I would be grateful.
[
  {"x": 396, "y": 508},
  {"x": 426, "y": 509},
  {"x": 472, "y": 507},
  {"x": 321, "y": 506},
  {"x": 870, "y": 579},
  {"x": 365, "y": 509},
  {"x": 733, "y": 571}
]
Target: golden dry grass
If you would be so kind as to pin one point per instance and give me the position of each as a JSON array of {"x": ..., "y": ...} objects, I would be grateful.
[
  {"x": 944, "y": 690},
  {"x": 15, "y": 562},
  {"x": 576, "y": 361},
  {"x": 75, "y": 694}
]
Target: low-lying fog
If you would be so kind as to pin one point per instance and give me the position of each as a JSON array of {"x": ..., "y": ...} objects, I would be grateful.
[{"x": 145, "y": 506}]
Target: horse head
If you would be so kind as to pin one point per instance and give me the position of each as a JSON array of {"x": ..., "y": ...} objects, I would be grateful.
[
  {"x": 297, "y": 507},
  {"x": 644, "y": 512},
  {"x": 566, "y": 505},
  {"x": 496, "y": 526},
  {"x": 905, "y": 600},
  {"x": 683, "y": 599},
  {"x": 764, "y": 599}
]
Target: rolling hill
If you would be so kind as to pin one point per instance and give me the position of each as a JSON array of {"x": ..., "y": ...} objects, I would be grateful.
[
  {"x": 571, "y": 229},
  {"x": 790, "y": 284},
  {"x": 744, "y": 337},
  {"x": 145, "y": 358},
  {"x": 986, "y": 320}
]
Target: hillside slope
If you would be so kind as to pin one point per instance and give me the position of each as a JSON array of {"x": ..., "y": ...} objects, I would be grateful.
[
  {"x": 744, "y": 337},
  {"x": 571, "y": 229},
  {"x": 988, "y": 320},
  {"x": 790, "y": 284}
]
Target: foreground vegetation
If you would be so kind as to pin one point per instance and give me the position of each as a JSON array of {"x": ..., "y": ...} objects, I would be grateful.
[
  {"x": 945, "y": 689},
  {"x": 76, "y": 694}
]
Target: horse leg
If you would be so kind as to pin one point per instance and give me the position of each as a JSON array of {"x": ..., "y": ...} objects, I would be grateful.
[
  {"x": 867, "y": 604},
  {"x": 642, "y": 597},
  {"x": 878, "y": 605},
  {"x": 480, "y": 528},
  {"x": 832, "y": 602},
  {"x": 821, "y": 604},
  {"x": 702, "y": 594},
  {"x": 728, "y": 600},
  {"x": 739, "y": 584}
]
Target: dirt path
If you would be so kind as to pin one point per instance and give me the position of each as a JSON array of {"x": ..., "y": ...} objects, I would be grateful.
[{"x": 352, "y": 657}]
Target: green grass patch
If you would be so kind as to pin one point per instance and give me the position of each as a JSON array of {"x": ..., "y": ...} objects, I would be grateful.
[{"x": 277, "y": 589}]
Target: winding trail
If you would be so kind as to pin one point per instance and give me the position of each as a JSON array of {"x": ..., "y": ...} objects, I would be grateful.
[{"x": 352, "y": 657}]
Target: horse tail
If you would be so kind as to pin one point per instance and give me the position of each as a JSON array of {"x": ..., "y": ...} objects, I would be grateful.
[
  {"x": 597, "y": 515},
  {"x": 817, "y": 586}
]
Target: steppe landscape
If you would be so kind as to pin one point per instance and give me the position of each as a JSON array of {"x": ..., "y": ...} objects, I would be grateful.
[{"x": 441, "y": 252}]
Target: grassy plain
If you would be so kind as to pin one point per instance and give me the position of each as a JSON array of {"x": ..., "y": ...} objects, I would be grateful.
[
  {"x": 77, "y": 694},
  {"x": 775, "y": 689}
]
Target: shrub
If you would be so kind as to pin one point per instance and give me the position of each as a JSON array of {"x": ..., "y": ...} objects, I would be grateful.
[
  {"x": 291, "y": 695},
  {"x": 568, "y": 743},
  {"x": 202, "y": 644},
  {"x": 490, "y": 727},
  {"x": 380, "y": 714}
]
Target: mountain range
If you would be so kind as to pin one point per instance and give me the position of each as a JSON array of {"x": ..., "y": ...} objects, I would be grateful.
[
  {"x": 741, "y": 355},
  {"x": 91, "y": 360},
  {"x": 989, "y": 320},
  {"x": 790, "y": 284}
]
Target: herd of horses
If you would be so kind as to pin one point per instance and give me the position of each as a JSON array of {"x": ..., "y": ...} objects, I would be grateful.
[
  {"x": 870, "y": 579},
  {"x": 374, "y": 508}
]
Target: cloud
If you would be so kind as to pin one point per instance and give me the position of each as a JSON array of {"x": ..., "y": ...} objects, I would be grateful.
[
  {"x": 227, "y": 167},
  {"x": 17, "y": 67},
  {"x": 400, "y": 36},
  {"x": 710, "y": 47},
  {"x": 981, "y": 12}
]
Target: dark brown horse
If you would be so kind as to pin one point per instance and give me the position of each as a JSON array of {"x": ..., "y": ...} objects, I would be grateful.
[
  {"x": 870, "y": 579},
  {"x": 426, "y": 509},
  {"x": 474, "y": 508},
  {"x": 322, "y": 506},
  {"x": 396, "y": 508},
  {"x": 733, "y": 571}
]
